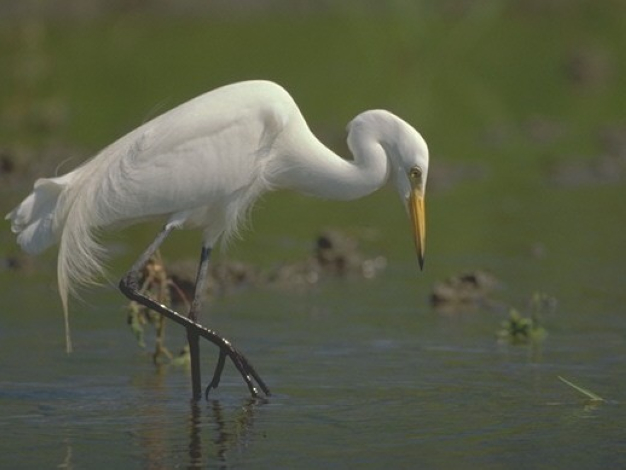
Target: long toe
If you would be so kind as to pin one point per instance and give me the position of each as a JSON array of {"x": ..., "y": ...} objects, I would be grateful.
[{"x": 208, "y": 390}]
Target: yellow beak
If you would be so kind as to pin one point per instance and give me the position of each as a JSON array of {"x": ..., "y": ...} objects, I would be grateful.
[{"x": 417, "y": 213}]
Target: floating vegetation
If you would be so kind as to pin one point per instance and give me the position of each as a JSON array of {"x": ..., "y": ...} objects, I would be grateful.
[
  {"x": 521, "y": 330},
  {"x": 592, "y": 398},
  {"x": 518, "y": 329}
]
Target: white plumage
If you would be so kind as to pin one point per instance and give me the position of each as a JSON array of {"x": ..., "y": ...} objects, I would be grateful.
[{"x": 203, "y": 164}]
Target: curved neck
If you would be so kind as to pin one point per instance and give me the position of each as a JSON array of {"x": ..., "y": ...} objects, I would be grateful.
[{"x": 308, "y": 166}]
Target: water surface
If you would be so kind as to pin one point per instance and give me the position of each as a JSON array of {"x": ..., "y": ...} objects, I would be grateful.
[{"x": 361, "y": 374}]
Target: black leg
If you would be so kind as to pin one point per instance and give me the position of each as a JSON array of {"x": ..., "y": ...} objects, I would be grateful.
[
  {"x": 129, "y": 285},
  {"x": 192, "y": 337}
]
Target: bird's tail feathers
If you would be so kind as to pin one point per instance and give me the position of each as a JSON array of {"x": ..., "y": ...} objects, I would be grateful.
[
  {"x": 61, "y": 210},
  {"x": 81, "y": 257},
  {"x": 33, "y": 219}
]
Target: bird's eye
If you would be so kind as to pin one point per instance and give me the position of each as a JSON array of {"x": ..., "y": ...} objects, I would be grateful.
[{"x": 415, "y": 173}]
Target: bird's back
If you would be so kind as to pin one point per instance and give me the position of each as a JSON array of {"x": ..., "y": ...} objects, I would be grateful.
[{"x": 194, "y": 160}]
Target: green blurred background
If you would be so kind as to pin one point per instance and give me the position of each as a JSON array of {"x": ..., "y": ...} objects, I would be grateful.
[{"x": 522, "y": 104}]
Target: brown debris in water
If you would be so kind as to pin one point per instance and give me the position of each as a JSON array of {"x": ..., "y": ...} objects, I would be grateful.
[
  {"x": 464, "y": 291},
  {"x": 335, "y": 255}
]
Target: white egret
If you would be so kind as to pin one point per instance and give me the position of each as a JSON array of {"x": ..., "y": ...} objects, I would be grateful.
[{"x": 203, "y": 165}]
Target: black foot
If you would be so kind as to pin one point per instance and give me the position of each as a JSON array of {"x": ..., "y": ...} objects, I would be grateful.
[
  {"x": 244, "y": 367},
  {"x": 217, "y": 375}
]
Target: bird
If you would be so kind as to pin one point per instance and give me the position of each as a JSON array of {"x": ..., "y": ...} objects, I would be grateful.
[{"x": 202, "y": 165}]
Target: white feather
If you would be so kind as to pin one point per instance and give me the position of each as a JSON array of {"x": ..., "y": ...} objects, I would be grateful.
[{"x": 203, "y": 164}]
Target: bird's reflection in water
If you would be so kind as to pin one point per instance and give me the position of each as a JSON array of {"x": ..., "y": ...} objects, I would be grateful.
[
  {"x": 215, "y": 433},
  {"x": 195, "y": 435},
  {"x": 225, "y": 429}
]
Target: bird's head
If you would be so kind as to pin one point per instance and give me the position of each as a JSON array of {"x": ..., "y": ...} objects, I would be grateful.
[
  {"x": 406, "y": 162},
  {"x": 409, "y": 157}
]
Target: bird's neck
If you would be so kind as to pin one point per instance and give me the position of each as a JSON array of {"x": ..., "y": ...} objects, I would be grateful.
[{"x": 311, "y": 168}]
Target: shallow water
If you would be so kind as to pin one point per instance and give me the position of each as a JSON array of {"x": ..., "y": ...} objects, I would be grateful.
[
  {"x": 368, "y": 382},
  {"x": 362, "y": 372}
]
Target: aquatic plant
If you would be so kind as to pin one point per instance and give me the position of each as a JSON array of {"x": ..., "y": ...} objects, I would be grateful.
[
  {"x": 591, "y": 397},
  {"x": 521, "y": 330},
  {"x": 160, "y": 286},
  {"x": 518, "y": 329}
]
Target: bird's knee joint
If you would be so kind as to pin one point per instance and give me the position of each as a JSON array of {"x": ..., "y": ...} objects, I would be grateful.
[{"x": 129, "y": 284}]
